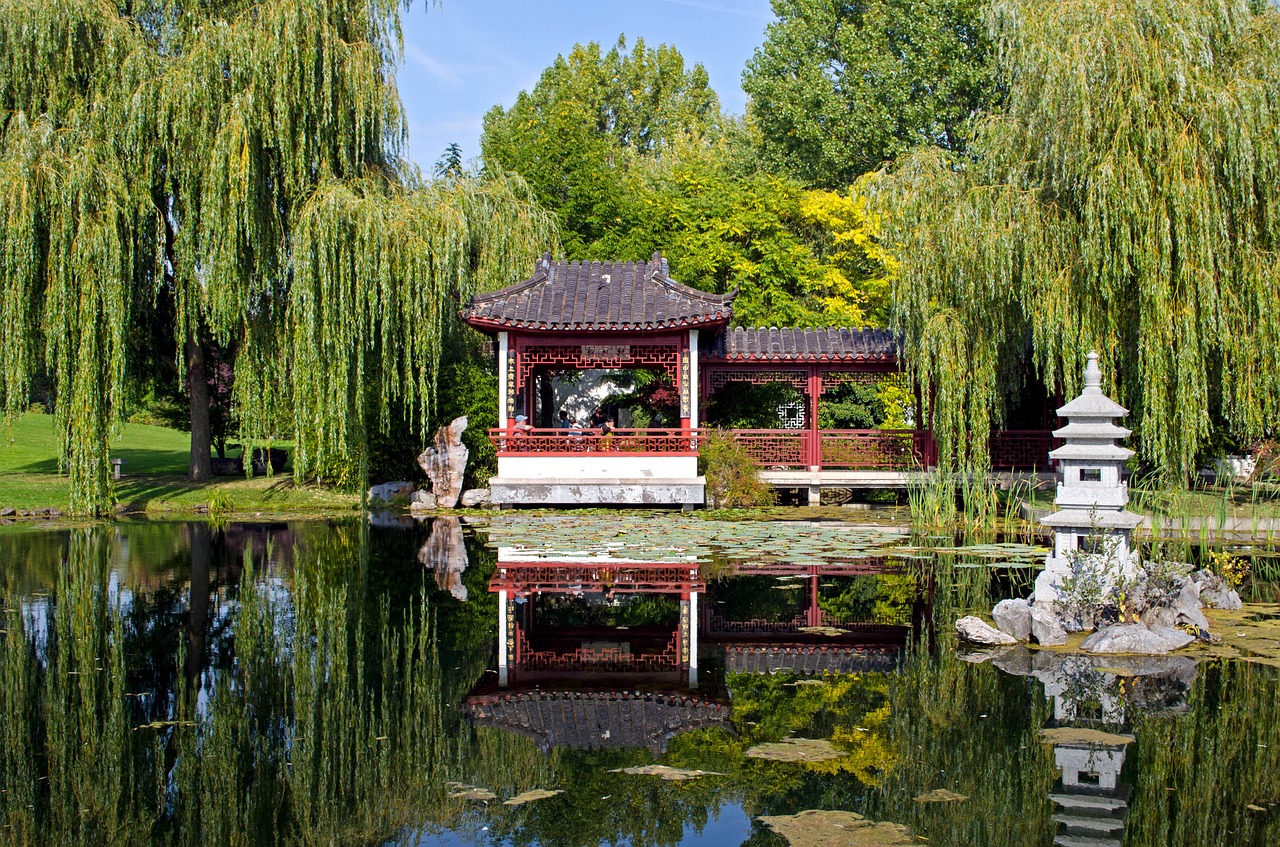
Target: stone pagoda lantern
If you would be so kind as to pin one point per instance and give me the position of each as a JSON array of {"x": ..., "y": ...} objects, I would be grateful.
[{"x": 1092, "y": 526}]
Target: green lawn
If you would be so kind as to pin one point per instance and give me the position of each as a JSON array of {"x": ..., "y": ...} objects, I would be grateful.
[{"x": 156, "y": 462}]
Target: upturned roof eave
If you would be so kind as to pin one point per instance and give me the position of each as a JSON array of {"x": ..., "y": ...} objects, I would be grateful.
[{"x": 491, "y": 325}]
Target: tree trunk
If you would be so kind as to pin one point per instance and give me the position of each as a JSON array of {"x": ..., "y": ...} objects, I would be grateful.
[
  {"x": 201, "y": 538},
  {"x": 198, "y": 397}
]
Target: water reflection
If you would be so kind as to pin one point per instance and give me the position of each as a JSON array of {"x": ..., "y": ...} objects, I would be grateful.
[{"x": 310, "y": 683}]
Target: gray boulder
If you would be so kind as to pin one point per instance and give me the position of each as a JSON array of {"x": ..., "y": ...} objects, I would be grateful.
[
  {"x": 422, "y": 501},
  {"x": 1187, "y": 606},
  {"x": 476, "y": 498},
  {"x": 1136, "y": 638},
  {"x": 1160, "y": 616},
  {"x": 7, "y": 511},
  {"x": 1013, "y": 618},
  {"x": 974, "y": 630},
  {"x": 1214, "y": 591},
  {"x": 389, "y": 491},
  {"x": 1046, "y": 627}
]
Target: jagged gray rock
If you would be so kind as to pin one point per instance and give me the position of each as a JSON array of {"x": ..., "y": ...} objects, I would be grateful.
[
  {"x": 477, "y": 498},
  {"x": 1214, "y": 591},
  {"x": 1046, "y": 626},
  {"x": 388, "y": 491},
  {"x": 1136, "y": 638},
  {"x": 445, "y": 463},
  {"x": 975, "y": 630},
  {"x": 1187, "y": 606},
  {"x": 1013, "y": 618},
  {"x": 422, "y": 501}
]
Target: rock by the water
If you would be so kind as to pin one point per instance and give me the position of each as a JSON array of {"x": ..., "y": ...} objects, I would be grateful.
[
  {"x": 1214, "y": 591},
  {"x": 7, "y": 511},
  {"x": 445, "y": 553},
  {"x": 975, "y": 630},
  {"x": 422, "y": 501},
  {"x": 445, "y": 463},
  {"x": 476, "y": 498},
  {"x": 1136, "y": 638},
  {"x": 1046, "y": 627},
  {"x": 1159, "y": 616},
  {"x": 1188, "y": 607},
  {"x": 389, "y": 491},
  {"x": 1013, "y": 618}
]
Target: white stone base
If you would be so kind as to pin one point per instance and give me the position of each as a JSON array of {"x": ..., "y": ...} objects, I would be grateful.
[
  {"x": 597, "y": 467},
  {"x": 545, "y": 491},
  {"x": 1109, "y": 572}
]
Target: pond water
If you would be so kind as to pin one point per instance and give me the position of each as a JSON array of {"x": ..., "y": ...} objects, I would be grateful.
[{"x": 348, "y": 684}]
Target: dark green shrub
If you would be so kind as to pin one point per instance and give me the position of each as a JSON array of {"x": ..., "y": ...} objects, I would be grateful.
[{"x": 733, "y": 479}]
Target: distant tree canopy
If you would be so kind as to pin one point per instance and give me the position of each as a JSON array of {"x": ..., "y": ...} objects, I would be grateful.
[
  {"x": 799, "y": 258},
  {"x": 1127, "y": 199},
  {"x": 588, "y": 117},
  {"x": 837, "y": 88},
  {"x": 633, "y": 154},
  {"x": 233, "y": 170}
]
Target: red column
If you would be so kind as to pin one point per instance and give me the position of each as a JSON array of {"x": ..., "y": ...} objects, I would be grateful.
[
  {"x": 814, "y": 612},
  {"x": 815, "y": 434},
  {"x": 682, "y": 379}
]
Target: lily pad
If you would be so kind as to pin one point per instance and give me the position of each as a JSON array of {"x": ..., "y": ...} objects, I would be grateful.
[
  {"x": 830, "y": 828},
  {"x": 670, "y": 774},
  {"x": 796, "y": 750},
  {"x": 831, "y": 631},
  {"x": 941, "y": 795},
  {"x": 1077, "y": 735},
  {"x": 462, "y": 791},
  {"x": 531, "y": 795}
]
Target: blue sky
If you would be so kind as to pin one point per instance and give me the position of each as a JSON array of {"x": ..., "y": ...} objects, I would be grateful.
[{"x": 461, "y": 57}]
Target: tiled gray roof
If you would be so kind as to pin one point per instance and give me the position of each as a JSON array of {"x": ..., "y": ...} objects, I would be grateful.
[
  {"x": 599, "y": 295},
  {"x": 772, "y": 343},
  {"x": 596, "y": 720},
  {"x": 810, "y": 659}
]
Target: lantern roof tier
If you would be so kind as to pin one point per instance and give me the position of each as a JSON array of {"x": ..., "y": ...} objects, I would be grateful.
[
  {"x": 1092, "y": 403},
  {"x": 1091, "y": 453},
  {"x": 1092, "y": 519},
  {"x": 1092, "y": 431}
]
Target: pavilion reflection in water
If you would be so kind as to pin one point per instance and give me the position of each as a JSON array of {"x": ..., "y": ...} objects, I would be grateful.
[{"x": 592, "y": 681}]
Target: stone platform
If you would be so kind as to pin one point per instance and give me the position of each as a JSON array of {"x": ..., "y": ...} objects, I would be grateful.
[{"x": 646, "y": 491}]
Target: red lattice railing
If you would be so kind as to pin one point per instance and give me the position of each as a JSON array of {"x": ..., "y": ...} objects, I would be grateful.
[
  {"x": 582, "y": 578},
  {"x": 786, "y": 449},
  {"x": 873, "y": 449},
  {"x": 774, "y": 449},
  {"x": 573, "y": 441},
  {"x": 603, "y": 660},
  {"x": 1022, "y": 449}
]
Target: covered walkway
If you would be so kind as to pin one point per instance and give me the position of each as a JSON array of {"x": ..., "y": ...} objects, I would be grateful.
[{"x": 834, "y": 406}]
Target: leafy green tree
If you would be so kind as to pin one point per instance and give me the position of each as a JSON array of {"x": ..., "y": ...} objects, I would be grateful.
[
  {"x": 839, "y": 87},
  {"x": 588, "y": 117},
  {"x": 798, "y": 258},
  {"x": 1126, "y": 199},
  {"x": 232, "y": 169}
]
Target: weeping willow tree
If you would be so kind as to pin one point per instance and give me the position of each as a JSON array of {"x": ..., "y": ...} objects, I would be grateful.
[
  {"x": 1126, "y": 198},
  {"x": 232, "y": 169}
]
